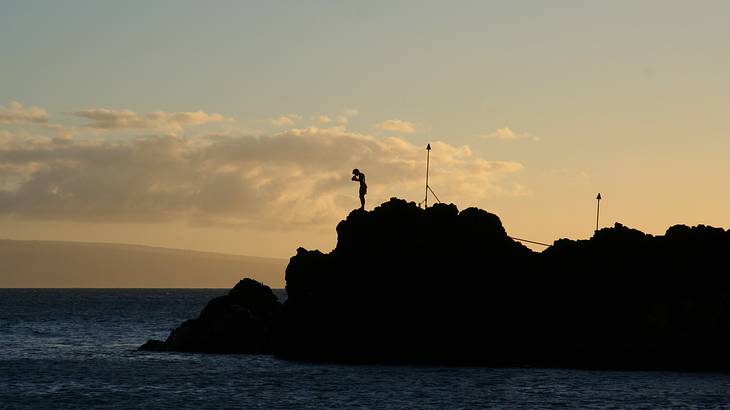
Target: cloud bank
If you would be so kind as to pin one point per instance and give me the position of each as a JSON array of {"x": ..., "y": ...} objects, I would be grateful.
[
  {"x": 298, "y": 177},
  {"x": 111, "y": 119}
]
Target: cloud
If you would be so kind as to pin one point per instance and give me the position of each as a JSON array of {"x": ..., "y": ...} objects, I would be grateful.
[
  {"x": 61, "y": 131},
  {"x": 286, "y": 120},
  {"x": 396, "y": 125},
  {"x": 341, "y": 118},
  {"x": 299, "y": 177},
  {"x": 17, "y": 113},
  {"x": 344, "y": 117},
  {"x": 507, "y": 133},
  {"x": 110, "y": 119}
]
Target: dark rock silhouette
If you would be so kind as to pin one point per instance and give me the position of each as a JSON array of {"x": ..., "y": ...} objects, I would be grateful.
[
  {"x": 412, "y": 285},
  {"x": 626, "y": 299},
  {"x": 403, "y": 284},
  {"x": 239, "y": 322}
]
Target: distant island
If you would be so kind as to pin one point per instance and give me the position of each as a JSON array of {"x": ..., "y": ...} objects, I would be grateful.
[
  {"x": 53, "y": 264},
  {"x": 439, "y": 286}
]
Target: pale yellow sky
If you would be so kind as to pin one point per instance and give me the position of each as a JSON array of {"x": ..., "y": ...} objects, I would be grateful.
[{"x": 234, "y": 128}]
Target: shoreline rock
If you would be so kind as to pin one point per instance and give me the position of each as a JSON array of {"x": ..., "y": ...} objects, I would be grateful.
[
  {"x": 239, "y": 322},
  {"x": 439, "y": 286}
]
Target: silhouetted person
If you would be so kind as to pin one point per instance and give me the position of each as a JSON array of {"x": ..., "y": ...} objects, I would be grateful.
[{"x": 360, "y": 177}]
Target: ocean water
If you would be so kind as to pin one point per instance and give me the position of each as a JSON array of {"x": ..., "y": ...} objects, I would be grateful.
[{"x": 76, "y": 349}]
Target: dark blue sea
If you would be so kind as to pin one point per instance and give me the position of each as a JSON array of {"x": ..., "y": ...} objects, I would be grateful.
[{"x": 75, "y": 349}]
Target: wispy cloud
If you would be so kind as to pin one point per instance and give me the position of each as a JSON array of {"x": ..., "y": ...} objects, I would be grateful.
[
  {"x": 506, "y": 133},
  {"x": 397, "y": 125},
  {"x": 17, "y": 113},
  {"x": 341, "y": 118},
  {"x": 286, "y": 120},
  {"x": 282, "y": 121},
  {"x": 111, "y": 119},
  {"x": 345, "y": 115}
]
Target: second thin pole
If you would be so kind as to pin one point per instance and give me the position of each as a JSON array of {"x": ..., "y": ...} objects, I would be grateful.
[
  {"x": 428, "y": 158},
  {"x": 598, "y": 209}
]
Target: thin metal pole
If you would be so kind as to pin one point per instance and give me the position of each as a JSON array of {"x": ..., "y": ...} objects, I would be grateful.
[
  {"x": 598, "y": 210},
  {"x": 428, "y": 158}
]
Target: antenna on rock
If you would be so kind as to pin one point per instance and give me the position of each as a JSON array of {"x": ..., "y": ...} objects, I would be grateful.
[
  {"x": 428, "y": 188},
  {"x": 598, "y": 210}
]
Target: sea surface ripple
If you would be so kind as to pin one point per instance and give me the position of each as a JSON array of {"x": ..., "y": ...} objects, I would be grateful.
[{"x": 75, "y": 348}]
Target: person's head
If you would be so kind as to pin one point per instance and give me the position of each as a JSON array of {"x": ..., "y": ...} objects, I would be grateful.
[{"x": 355, "y": 171}]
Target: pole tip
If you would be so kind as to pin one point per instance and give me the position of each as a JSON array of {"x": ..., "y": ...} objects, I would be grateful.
[
  {"x": 428, "y": 147},
  {"x": 599, "y": 196}
]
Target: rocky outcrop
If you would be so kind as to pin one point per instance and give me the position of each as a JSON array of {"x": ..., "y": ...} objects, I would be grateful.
[
  {"x": 239, "y": 322},
  {"x": 412, "y": 285},
  {"x": 403, "y": 284},
  {"x": 625, "y": 299}
]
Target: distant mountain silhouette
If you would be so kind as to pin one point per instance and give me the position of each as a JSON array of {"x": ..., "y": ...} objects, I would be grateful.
[
  {"x": 439, "y": 286},
  {"x": 49, "y": 264}
]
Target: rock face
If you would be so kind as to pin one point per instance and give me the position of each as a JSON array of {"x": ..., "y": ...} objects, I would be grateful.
[
  {"x": 625, "y": 299},
  {"x": 404, "y": 284},
  {"x": 239, "y": 322},
  {"x": 408, "y": 285}
]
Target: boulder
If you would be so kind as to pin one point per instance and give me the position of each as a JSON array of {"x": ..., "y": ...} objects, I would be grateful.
[{"x": 239, "y": 322}]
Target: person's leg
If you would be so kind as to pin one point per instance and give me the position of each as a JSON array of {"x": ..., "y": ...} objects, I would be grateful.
[{"x": 362, "y": 200}]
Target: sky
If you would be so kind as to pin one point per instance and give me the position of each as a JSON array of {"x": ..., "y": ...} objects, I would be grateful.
[{"x": 233, "y": 126}]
